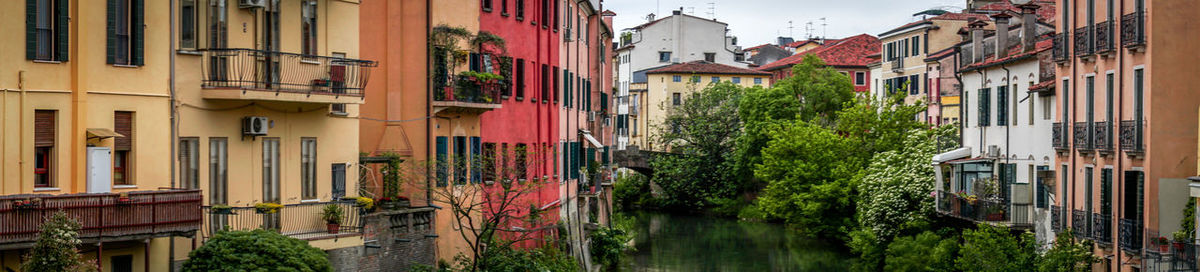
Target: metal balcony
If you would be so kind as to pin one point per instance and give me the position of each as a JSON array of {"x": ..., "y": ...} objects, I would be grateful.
[
  {"x": 985, "y": 211},
  {"x": 102, "y": 217},
  {"x": 1133, "y": 30},
  {"x": 251, "y": 74},
  {"x": 1061, "y": 47},
  {"x": 1058, "y": 137},
  {"x": 1102, "y": 228},
  {"x": 1083, "y": 136},
  {"x": 1104, "y": 37},
  {"x": 468, "y": 94},
  {"x": 1129, "y": 233},
  {"x": 898, "y": 65},
  {"x": 1081, "y": 224},
  {"x": 301, "y": 221},
  {"x": 1083, "y": 41},
  {"x": 1131, "y": 136},
  {"x": 1056, "y": 218},
  {"x": 1102, "y": 136}
]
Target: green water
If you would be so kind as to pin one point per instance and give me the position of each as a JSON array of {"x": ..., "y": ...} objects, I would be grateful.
[{"x": 670, "y": 242}]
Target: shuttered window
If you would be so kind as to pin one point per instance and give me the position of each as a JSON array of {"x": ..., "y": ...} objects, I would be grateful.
[
  {"x": 47, "y": 30},
  {"x": 189, "y": 163},
  {"x": 476, "y": 161},
  {"x": 44, "y": 123},
  {"x": 520, "y": 79},
  {"x": 308, "y": 27},
  {"x": 218, "y": 170},
  {"x": 187, "y": 24},
  {"x": 554, "y": 85},
  {"x": 488, "y": 162},
  {"x": 522, "y": 153},
  {"x": 1002, "y": 106},
  {"x": 338, "y": 177},
  {"x": 984, "y": 110},
  {"x": 125, "y": 32},
  {"x": 308, "y": 168},
  {"x": 460, "y": 160},
  {"x": 441, "y": 160},
  {"x": 123, "y": 148}
]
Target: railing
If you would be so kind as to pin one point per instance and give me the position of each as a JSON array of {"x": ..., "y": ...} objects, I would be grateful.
[
  {"x": 984, "y": 210},
  {"x": 252, "y": 69},
  {"x": 1131, "y": 136},
  {"x": 1061, "y": 47},
  {"x": 1133, "y": 29},
  {"x": 898, "y": 65},
  {"x": 1129, "y": 234},
  {"x": 472, "y": 90},
  {"x": 1154, "y": 244},
  {"x": 296, "y": 220},
  {"x": 1104, "y": 37},
  {"x": 1102, "y": 228},
  {"x": 1059, "y": 136},
  {"x": 107, "y": 216},
  {"x": 1080, "y": 225},
  {"x": 1083, "y": 136},
  {"x": 1102, "y": 136},
  {"x": 1083, "y": 41},
  {"x": 1056, "y": 218}
]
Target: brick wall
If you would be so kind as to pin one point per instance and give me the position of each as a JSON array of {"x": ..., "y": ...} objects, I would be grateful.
[{"x": 396, "y": 240}]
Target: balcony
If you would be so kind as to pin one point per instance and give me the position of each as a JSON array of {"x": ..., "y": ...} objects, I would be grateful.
[
  {"x": 1081, "y": 224},
  {"x": 469, "y": 94},
  {"x": 301, "y": 221},
  {"x": 1129, "y": 233},
  {"x": 1056, "y": 218},
  {"x": 1176, "y": 257},
  {"x": 1083, "y": 136},
  {"x": 251, "y": 74},
  {"x": 1102, "y": 228},
  {"x": 1058, "y": 138},
  {"x": 898, "y": 65},
  {"x": 985, "y": 211},
  {"x": 1131, "y": 136},
  {"x": 1102, "y": 136},
  {"x": 105, "y": 216},
  {"x": 1104, "y": 38},
  {"x": 1083, "y": 42},
  {"x": 1061, "y": 47},
  {"x": 1133, "y": 31}
]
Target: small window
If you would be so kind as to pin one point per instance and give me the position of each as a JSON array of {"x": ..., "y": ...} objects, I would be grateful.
[
  {"x": 916, "y": 45},
  {"x": 308, "y": 168},
  {"x": 520, "y": 10},
  {"x": 487, "y": 5},
  {"x": 716, "y": 79},
  {"x": 677, "y": 78},
  {"x": 758, "y": 81},
  {"x": 710, "y": 57},
  {"x": 189, "y": 163},
  {"x": 664, "y": 56},
  {"x": 43, "y": 142},
  {"x": 460, "y": 160},
  {"x": 123, "y": 148},
  {"x": 308, "y": 27},
  {"x": 737, "y": 80},
  {"x": 503, "y": 7},
  {"x": 676, "y": 99},
  {"x": 187, "y": 24},
  {"x": 860, "y": 78},
  {"x": 218, "y": 182}
]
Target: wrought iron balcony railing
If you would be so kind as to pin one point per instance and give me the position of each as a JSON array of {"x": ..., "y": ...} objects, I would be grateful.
[
  {"x": 1061, "y": 47},
  {"x": 1104, "y": 37},
  {"x": 1083, "y": 41},
  {"x": 301, "y": 221},
  {"x": 1083, "y": 136},
  {"x": 1081, "y": 224},
  {"x": 1102, "y": 228},
  {"x": 472, "y": 90},
  {"x": 898, "y": 65},
  {"x": 1102, "y": 136},
  {"x": 1131, "y": 136},
  {"x": 107, "y": 216},
  {"x": 1133, "y": 29},
  {"x": 253, "y": 69},
  {"x": 1059, "y": 136},
  {"x": 1129, "y": 234},
  {"x": 979, "y": 210},
  {"x": 1056, "y": 218}
]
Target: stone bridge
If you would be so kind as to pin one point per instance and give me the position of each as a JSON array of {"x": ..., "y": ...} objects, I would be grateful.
[{"x": 637, "y": 160}]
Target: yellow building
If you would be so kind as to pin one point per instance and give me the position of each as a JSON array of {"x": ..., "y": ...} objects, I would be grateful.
[
  {"x": 85, "y": 103},
  {"x": 669, "y": 86}
]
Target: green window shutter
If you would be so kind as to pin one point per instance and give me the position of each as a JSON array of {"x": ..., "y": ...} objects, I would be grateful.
[
  {"x": 111, "y": 28},
  {"x": 138, "y": 32},
  {"x": 62, "y": 30},
  {"x": 1106, "y": 191},
  {"x": 441, "y": 161},
  {"x": 30, "y": 29},
  {"x": 476, "y": 160}
]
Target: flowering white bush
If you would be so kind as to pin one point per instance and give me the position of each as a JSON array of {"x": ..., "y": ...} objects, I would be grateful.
[{"x": 895, "y": 189}]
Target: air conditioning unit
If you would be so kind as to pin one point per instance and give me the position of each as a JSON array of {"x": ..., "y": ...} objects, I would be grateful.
[
  {"x": 249, "y": 4},
  {"x": 255, "y": 125},
  {"x": 993, "y": 151},
  {"x": 591, "y": 116}
]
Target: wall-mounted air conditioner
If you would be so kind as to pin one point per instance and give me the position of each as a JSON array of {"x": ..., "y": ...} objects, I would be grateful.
[
  {"x": 249, "y": 4},
  {"x": 255, "y": 126}
]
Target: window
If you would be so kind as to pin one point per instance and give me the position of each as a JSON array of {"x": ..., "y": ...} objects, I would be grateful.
[
  {"x": 758, "y": 81},
  {"x": 476, "y": 161},
  {"x": 695, "y": 79},
  {"x": 1047, "y": 107},
  {"x": 308, "y": 168},
  {"x": 737, "y": 80},
  {"x": 1015, "y": 103},
  {"x": 308, "y": 27},
  {"x": 520, "y": 81},
  {"x": 337, "y": 176},
  {"x": 677, "y": 78},
  {"x": 972, "y": 172},
  {"x": 189, "y": 163},
  {"x": 1090, "y": 86},
  {"x": 46, "y": 30},
  {"x": 44, "y": 123},
  {"x": 984, "y": 112},
  {"x": 125, "y": 32},
  {"x": 187, "y": 24},
  {"x": 487, "y": 5},
  {"x": 504, "y": 163},
  {"x": 555, "y": 18},
  {"x": 860, "y": 78},
  {"x": 218, "y": 170},
  {"x": 1066, "y": 96},
  {"x": 676, "y": 99},
  {"x": 1030, "y": 97},
  {"x": 1106, "y": 191},
  {"x": 123, "y": 148},
  {"x": 1108, "y": 100},
  {"x": 1087, "y": 189},
  {"x": 520, "y": 9},
  {"x": 1002, "y": 106},
  {"x": 553, "y": 76},
  {"x": 916, "y": 45},
  {"x": 664, "y": 56},
  {"x": 710, "y": 57},
  {"x": 521, "y": 153},
  {"x": 488, "y": 162},
  {"x": 503, "y": 7},
  {"x": 716, "y": 79},
  {"x": 913, "y": 85},
  {"x": 1137, "y": 96},
  {"x": 271, "y": 169},
  {"x": 217, "y": 24},
  {"x": 441, "y": 161},
  {"x": 460, "y": 160},
  {"x": 122, "y": 263},
  {"x": 545, "y": 13}
]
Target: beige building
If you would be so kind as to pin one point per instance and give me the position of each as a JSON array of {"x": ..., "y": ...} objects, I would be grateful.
[
  {"x": 669, "y": 86},
  {"x": 905, "y": 50}
]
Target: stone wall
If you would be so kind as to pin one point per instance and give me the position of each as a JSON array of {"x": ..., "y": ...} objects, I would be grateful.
[{"x": 397, "y": 240}]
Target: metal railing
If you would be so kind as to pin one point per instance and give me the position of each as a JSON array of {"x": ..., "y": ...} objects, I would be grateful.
[
  {"x": 108, "y": 216},
  {"x": 1133, "y": 29},
  {"x": 472, "y": 90},
  {"x": 297, "y": 220},
  {"x": 253, "y": 69},
  {"x": 1083, "y": 136},
  {"x": 1062, "y": 48},
  {"x": 898, "y": 65},
  {"x": 1104, "y": 37},
  {"x": 1129, "y": 234},
  {"x": 1056, "y": 218},
  {"x": 981, "y": 210},
  {"x": 1102, "y": 228},
  {"x": 1131, "y": 136},
  {"x": 1058, "y": 133},
  {"x": 1083, "y": 41},
  {"x": 1102, "y": 136},
  {"x": 1081, "y": 224}
]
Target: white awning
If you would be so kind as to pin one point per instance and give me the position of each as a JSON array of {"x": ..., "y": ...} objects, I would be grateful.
[
  {"x": 952, "y": 155},
  {"x": 592, "y": 140}
]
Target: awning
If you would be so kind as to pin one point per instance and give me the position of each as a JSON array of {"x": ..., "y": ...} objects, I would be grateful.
[
  {"x": 102, "y": 133},
  {"x": 970, "y": 160},
  {"x": 952, "y": 154},
  {"x": 592, "y": 140}
]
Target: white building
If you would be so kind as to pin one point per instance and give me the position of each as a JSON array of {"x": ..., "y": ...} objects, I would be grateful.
[{"x": 660, "y": 42}]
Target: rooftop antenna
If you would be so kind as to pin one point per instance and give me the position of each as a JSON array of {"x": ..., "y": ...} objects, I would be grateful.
[
  {"x": 692, "y": 10},
  {"x": 824, "y": 31},
  {"x": 712, "y": 10},
  {"x": 808, "y": 28},
  {"x": 790, "y": 27}
]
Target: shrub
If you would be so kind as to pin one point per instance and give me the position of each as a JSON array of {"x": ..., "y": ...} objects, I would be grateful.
[
  {"x": 256, "y": 250},
  {"x": 632, "y": 191},
  {"x": 55, "y": 247},
  {"x": 1068, "y": 255},
  {"x": 989, "y": 248},
  {"x": 606, "y": 246},
  {"x": 923, "y": 252}
]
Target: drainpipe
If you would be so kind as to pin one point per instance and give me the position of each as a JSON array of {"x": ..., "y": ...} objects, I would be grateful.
[
  {"x": 1008, "y": 125},
  {"x": 174, "y": 133},
  {"x": 428, "y": 98}
]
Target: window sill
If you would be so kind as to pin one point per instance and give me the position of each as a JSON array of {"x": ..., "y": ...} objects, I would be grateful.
[
  {"x": 47, "y": 61},
  {"x": 310, "y": 200},
  {"x": 339, "y": 114},
  {"x": 192, "y": 52},
  {"x": 126, "y": 66},
  {"x": 124, "y": 186},
  {"x": 45, "y": 189},
  {"x": 313, "y": 62}
]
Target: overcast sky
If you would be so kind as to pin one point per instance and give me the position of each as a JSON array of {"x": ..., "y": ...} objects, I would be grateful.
[{"x": 757, "y": 22}]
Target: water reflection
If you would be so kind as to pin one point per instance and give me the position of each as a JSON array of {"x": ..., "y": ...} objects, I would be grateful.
[{"x": 667, "y": 242}]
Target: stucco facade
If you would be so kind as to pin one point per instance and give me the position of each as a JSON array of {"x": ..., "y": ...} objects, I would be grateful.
[{"x": 668, "y": 89}]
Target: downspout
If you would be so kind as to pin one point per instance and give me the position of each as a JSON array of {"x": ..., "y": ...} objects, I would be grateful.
[
  {"x": 428, "y": 98},
  {"x": 1008, "y": 128},
  {"x": 982, "y": 84},
  {"x": 174, "y": 131}
]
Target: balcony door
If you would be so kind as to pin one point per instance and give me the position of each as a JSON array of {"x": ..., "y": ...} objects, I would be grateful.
[
  {"x": 270, "y": 179},
  {"x": 270, "y": 44}
]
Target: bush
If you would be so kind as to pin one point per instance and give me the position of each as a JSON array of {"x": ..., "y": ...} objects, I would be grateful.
[
  {"x": 547, "y": 259},
  {"x": 989, "y": 248},
  {"x": 632, "y": 191},
  {"x": 606, "y": 246},
  {"x": 256, "y": 250},
  {"x": 1068, "y": 255},
  {"x": 923, "y": 252},
  {"x": 55, "y": 249}
]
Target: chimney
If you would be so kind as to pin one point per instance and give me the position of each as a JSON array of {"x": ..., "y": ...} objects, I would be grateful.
[
  {"x": 650, "y": 17},
  {"x": 976, "y": 27},
  {"x": 678, "y": 11},
  {"x": 1001, "y": 34},
  {"x": 1029, "y": 26}
]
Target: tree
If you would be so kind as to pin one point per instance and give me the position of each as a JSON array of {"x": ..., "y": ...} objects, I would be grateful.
[
  {"x": 822, "y": 91},
  {"x": 256, "y": 250},
  {"x": 881, "y": 125},
  {"x": 923, "y": 252},
  {"x": 702, "y": 134},
  {"x": 55, "y": 249},
  {"x": 990, "y": 248},
  {"x": 607, "y": 245},
  {"x": 894, "y": 190},
  {"x": 1068, "y": 256}
]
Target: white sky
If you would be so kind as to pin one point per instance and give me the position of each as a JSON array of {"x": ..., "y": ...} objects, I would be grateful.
[{"x": 756, "y": 22}]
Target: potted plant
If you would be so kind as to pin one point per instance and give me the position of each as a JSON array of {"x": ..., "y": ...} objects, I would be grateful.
[
  {"x": 332, "y": 214},
  {"x": 386, "y": 203},
  {"x": 26, "y": 204},
  {"x": 364, "y": 203},
  {"x": 402, "y": 202},
  {"x": 1181, "y": 239},
  {"x": 1162, "y": 244},
  {"x": 267, "y": 208},
  {"x": 995, "y": 213},
  {"x": 221, "y": 209}
]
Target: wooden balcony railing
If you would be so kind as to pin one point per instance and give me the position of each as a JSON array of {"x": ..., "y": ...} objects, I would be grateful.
[
  {"x": 261, "y": 70},
  {"x": 1104, "y": 37},
  {"x": 1131, "y": 136},
  {"x": 1083, "y": 41},
  {"x": 1083, "y": 136},
  {"x": 1102, "y": 228},
  {"x": 301, "y": 221},
  {"x": 1059, "y": 136},
  {"x": 106, "y": 216},
  {"x": 1129, "y": 234},
  {"x": 1102, "y": 136},
  {"x": 1061, "y": 47},
  {"x": 1133, "y": 29}
]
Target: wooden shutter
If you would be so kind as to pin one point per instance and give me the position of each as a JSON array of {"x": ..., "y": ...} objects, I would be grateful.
[
  {"x": 137, "y": 31},
  {"x": 110, "y": 45},
  {"x": 44, "y": 127},
  {"x": 441, "y": 161},
  {"x": 476, "y": 159},
  {"x": 123, "y": 124},
  {"x": 30, "y": 29},
  {"x": 62, "y": 28}
]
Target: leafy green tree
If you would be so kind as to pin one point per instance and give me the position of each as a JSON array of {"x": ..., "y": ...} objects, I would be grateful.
[
  {"x": 702, "y": 133},
  {"x": 881, "y": 125},
  {"x": 990, "y": 248},
  {"x": 606, "y": 246},
  {"x": 1068, "y": 256},
  {"x": 923, "y": 252},
  {"x": 632, "y": 191},
  {"x": 895, "y": 188},
  {"x": 55, "y": 249},
  {"x": 822, "y": 91},
  {"x": 256, "y": 250}
]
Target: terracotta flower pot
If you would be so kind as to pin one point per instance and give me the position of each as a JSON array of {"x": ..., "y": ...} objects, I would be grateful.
[{"x": 333, "y": 228}]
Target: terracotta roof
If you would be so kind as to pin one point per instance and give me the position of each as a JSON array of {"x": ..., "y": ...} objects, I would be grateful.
[
  {"x": 852, "y": 51},
  {"x": 941, "y": 54},
  {"x": 1042, "y": 86},
  {"x": 951, "y": 16},
  {"x": 704, "y": 67},
  {"x": 757, "y": 47},
  {"x": 1014, "y": 53}
]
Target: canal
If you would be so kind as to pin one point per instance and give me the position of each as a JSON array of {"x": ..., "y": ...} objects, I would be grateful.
[{"x": 671, "y": 242}]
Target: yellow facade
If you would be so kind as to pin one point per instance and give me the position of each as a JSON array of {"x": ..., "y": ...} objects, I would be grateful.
[
  {"x": 950, "y": 109},
  {"x": 659, "y": 98}
]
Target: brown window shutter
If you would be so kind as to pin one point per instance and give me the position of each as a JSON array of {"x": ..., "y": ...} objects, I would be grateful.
[
  {"x": 123, "y": 124},
  {"x": 43, "y": 123}
]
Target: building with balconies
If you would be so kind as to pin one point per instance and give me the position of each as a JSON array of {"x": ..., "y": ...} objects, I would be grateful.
[
  {"x": 1122, "y": 93},
  {"x": 904, "y": 50}
]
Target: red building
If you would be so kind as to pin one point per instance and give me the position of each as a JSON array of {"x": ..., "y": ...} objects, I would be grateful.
[{"x": 849, "y": 56}]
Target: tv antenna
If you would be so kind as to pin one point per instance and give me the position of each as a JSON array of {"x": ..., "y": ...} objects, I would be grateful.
[
  {"x": 808, "y": 27},
  {"x": 824, "y": 29},
  {"x": 712, "y": 10},
  {"x": 790, "y": 27}
]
